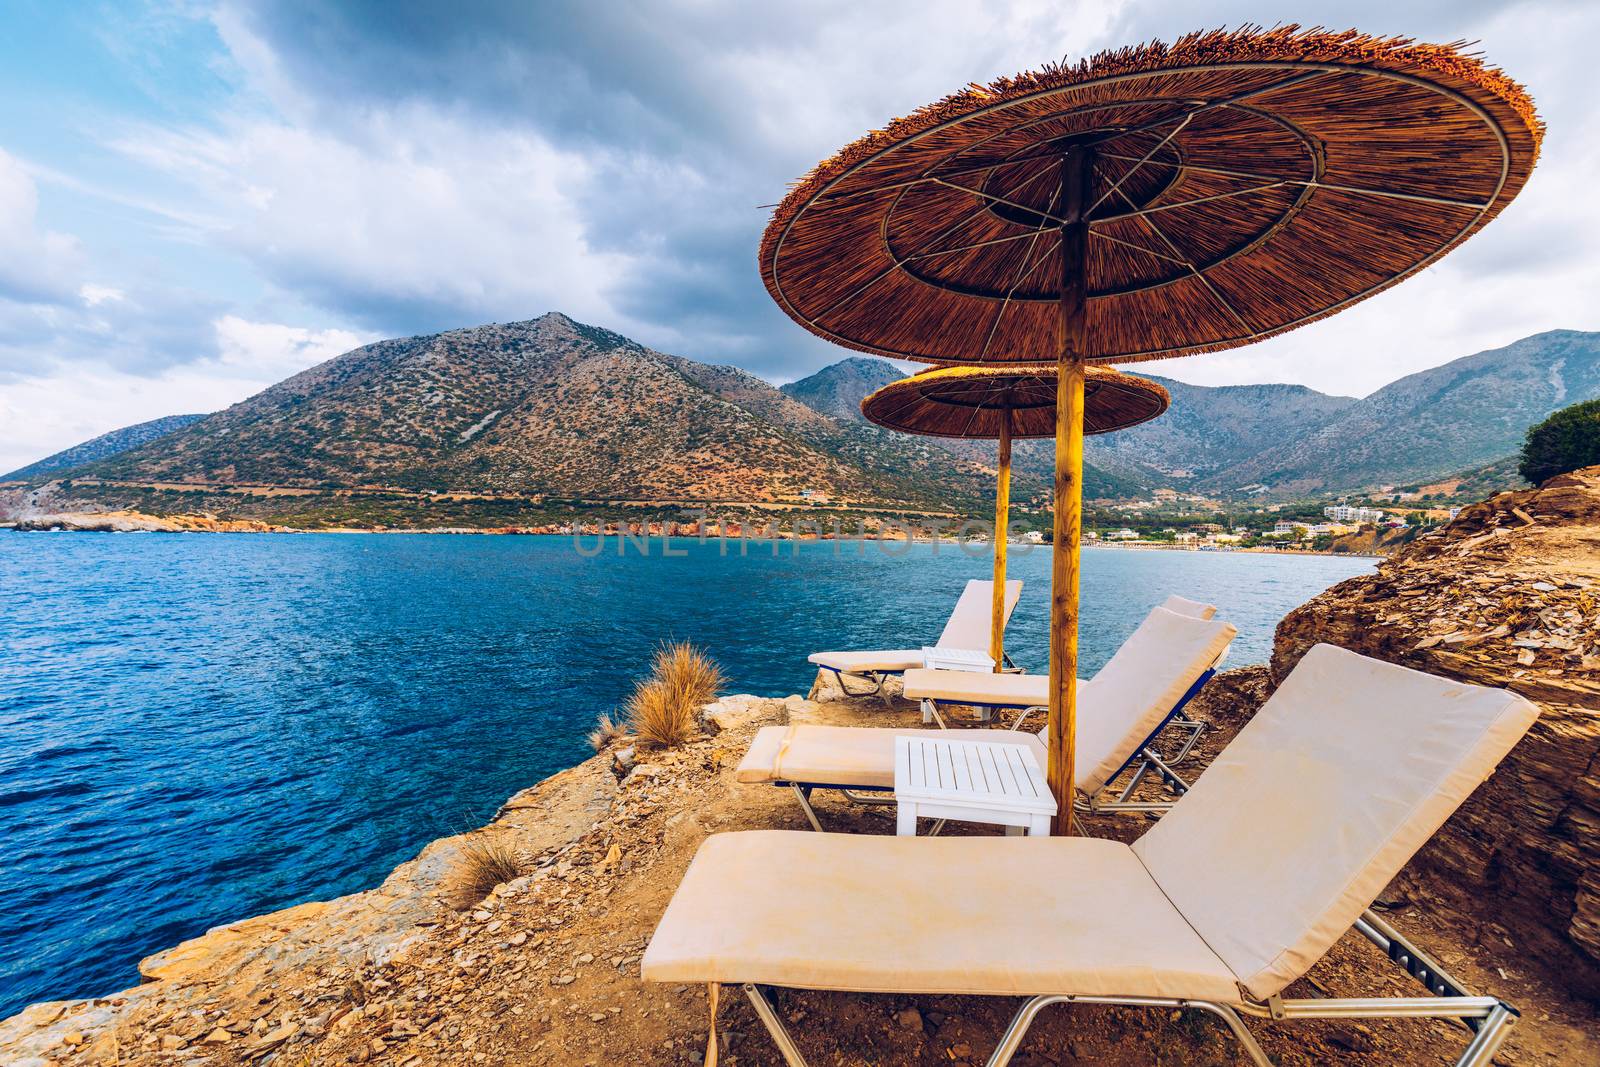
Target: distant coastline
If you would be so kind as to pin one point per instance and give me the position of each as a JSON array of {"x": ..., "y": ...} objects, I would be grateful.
[{"x": 139, "y": 522}]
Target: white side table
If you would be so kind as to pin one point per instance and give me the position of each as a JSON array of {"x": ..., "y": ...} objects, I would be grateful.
[{"x": 970, "y": 781}]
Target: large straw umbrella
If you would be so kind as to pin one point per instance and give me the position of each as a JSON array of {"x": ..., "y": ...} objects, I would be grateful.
[
  {"x": 1002, "y": 404},
  {"x": 1150, "y": 202}
]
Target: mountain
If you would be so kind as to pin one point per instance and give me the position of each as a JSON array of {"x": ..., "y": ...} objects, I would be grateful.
[
  {"x": 1467, "y": 413},
  {"x": 1210, "y": 430},
  {"x": 553, "y": 408},
  {"x": 104, "y": 446},
  {"x": 1465, "y": 416},
  {"x": 838, "y": 389},
  {"x": 550, "y": 407}
]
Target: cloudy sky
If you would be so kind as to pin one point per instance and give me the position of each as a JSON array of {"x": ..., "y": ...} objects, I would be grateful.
[{"x": 198, "y": 199}]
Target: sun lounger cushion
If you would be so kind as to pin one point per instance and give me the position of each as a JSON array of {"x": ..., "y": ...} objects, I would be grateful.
[
  {"x": 891, "y": 660},
  {"x": 1138, "y": 688},
  {"x": 1192, "y": 608},
  {"x": 1001, "y": 916},
  {"x": 967, "y": 627},
  {"x": 978, "y": 687},
  {"x": 1121, "y": 706},
  {"x": 845, "y": 755},
  {"x": 1319, "y": 801}
]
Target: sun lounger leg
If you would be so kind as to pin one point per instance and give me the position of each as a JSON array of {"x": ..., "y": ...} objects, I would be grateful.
[
  {"x": 1195, "y": 728},
  {"x": 774, "y": 1025},
  {"x": 1011, "y": 1040},
  {"x": 1491, "y": 1035},
  {"x": 930, "y": 713},
  {"x": 1241, "y": 1032},
  {"x": 803, "y": 795},
  {"x": 877, "y": 679},
  {"x": 860, "y": 797},
  {"x": 1022, "y": 716}
]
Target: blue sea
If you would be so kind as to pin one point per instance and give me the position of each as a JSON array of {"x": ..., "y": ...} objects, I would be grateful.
[{"x": 199, "y": 728}]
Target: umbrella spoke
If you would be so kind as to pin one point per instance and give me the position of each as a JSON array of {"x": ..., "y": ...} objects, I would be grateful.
[
  {"x": 1180, "y": 117},
  {"x": 1314, "y": 183},
  {"x": 968, "y": 247},
  {"x": 1023, "y": 271},
  {"x": 900, "y": 261},
  {"x": 1250, "y": 331},
  {"x": 1141, "y": 212},
  {"x": 968, "y": 217},
  {"x": 1207, "y": 105},
  {"x": 1136, "y": 247},
  {"x": 1117, "y": 186},
  {"x": 993, "y": 198}
]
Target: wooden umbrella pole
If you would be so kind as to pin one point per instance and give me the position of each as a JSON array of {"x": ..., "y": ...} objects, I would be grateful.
[
  {"x": 1077, "y": 168},
  {"x": 1002, "y": 519}
]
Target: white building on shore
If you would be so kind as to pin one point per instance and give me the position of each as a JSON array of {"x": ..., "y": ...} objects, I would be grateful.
[{"x": 1347, "y": 513}]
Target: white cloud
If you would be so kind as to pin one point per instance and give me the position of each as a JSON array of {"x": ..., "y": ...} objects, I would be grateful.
[
  {"x": 36, "y": 266},
  {"x": 608, "y": 160},
  {"x": 270, "y": 351},
  {"x": 68, "y": 403},
  {"x": 422, "y": 213},
  {"x": 95, "y": 295}
]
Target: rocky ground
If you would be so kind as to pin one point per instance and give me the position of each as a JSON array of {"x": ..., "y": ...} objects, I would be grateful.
[{"x": 546, "y": 970}]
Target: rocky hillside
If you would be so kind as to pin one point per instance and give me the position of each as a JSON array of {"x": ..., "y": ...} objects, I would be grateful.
[
  {"x": 104, "y": 446},
  {"x": 837, "y": 389},
  {"x": 1210, "y": 430},
  {"x": 554, "y": 408},
  {"x": 1506, "y": 595},
  {"x": 1466, "y": 415}
]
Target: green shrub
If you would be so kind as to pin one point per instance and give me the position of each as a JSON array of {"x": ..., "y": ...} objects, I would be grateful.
[{"x": 1565, "y": 441}]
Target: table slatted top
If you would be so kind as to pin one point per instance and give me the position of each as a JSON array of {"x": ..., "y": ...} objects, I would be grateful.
[{"x": 982, "y": 773}]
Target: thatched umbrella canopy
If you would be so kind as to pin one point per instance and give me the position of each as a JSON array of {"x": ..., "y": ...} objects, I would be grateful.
[
  {"x": 991, "y": 403},
  {"x": 1149, "y": 202},
  {"x": 999, "y": 404}
]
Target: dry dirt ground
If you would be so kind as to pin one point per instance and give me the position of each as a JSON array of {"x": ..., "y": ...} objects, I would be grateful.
[{"x": 546, "y": 970}]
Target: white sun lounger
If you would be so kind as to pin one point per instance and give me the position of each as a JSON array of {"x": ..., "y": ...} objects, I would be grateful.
[
  {"x": 1121, "y": 711},
  {"x": 967, "y": 628},
  {"x": 1277, "y": 851},
  {"x": 1025, "y": 693}
]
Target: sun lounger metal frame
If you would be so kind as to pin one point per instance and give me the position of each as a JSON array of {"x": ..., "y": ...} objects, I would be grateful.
[
  {"x": 1144, "y": 761},
  {"x": 877, "y": 678},
  {"x": 1488, "y": 1018}
]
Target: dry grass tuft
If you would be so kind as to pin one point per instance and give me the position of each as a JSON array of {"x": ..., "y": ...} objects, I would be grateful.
[
  {"x": 607, "y": 732},
  {"x": 692, "y": 676},
  {"x": 663, "y": 708},
  {"x": 658, "y": 719},
  {"x": 482, "y": 864}
]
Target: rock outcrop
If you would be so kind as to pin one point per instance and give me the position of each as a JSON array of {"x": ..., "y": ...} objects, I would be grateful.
[
  {"x": 138, "y": 522},
  {"x": 1506, "y": 595}
]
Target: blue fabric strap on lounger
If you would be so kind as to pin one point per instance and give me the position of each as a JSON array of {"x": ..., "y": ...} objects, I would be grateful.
[{"x": 1177, "y": 709}]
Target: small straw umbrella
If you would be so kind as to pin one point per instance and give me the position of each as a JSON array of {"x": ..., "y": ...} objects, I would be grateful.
[
  {"x": 1149, "y": 202},
  {"x": 1001, "y": 404}
]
